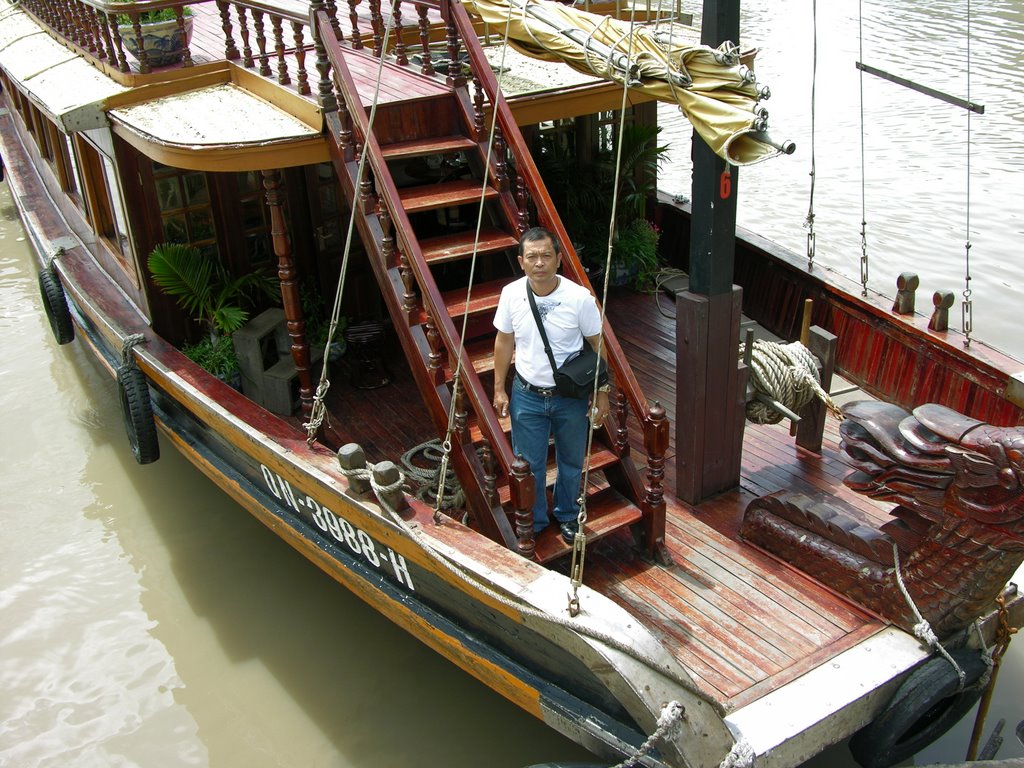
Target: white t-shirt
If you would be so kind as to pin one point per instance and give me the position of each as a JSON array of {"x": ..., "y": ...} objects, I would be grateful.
[{"x": 569, "y": 313}]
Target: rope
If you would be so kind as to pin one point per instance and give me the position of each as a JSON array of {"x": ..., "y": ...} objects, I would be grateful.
[
  {"x": 967, "y": 306},
  {"x": 426, "y": 477},
  {"x": 740, "y": 756},
  {"x": 319, "y": 409},
  {"x": 787, "y": 373},
  {"x": 809, "y": 221},
  {"x": 516, "y": 605},
  {"x": 127, "y": 345},
  {"x": 863, "y": 167},
  {"x": 668, "y": 720},
  {"x": 923, "y": 630}
]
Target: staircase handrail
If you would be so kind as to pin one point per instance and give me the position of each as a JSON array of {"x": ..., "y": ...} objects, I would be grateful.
[
  {"x": 430, "y": 295},
  {"x": 546, "y": 214}
]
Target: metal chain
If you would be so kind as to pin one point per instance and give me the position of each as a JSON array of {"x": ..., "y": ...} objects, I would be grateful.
[
  {"x": 809, "y": 221},
  {"x": 863, "y": 167}
]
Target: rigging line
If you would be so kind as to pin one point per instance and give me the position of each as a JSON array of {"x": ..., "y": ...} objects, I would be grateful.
[
  {"x": 967, "y": 306},
  {"x": 580, "y": 541},
  {"x": 319, "y": 410},
  {"x": 809, "y": 222},
  {"x": 457, "y": 378},
  {"x": 863, "y": 167}
]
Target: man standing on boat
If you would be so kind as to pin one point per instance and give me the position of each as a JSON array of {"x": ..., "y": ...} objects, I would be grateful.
[{"x": 570, "y": 315}]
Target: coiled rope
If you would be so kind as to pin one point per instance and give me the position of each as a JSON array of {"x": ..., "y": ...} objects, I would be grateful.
[
  {"x": 432, "y": 452},
  {"x": 787, "y": 373}
]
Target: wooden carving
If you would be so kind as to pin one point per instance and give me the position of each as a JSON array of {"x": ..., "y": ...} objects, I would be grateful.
[{"x": 958, "y": 526}]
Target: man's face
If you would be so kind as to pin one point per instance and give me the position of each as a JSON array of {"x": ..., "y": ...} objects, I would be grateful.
[{"x": 539, "y": 260}]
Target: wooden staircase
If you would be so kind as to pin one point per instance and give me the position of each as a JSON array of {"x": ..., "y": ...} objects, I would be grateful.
[{"x": 417, "y": 206}]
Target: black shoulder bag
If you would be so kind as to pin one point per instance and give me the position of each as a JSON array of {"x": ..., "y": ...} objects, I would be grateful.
[{"x": 576, "y": 376}]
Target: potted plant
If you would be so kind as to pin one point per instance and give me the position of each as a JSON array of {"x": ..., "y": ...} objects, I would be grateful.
[
  {"x": 635, "y": 255},
  {"x": 161, "y": 36},
  {"x": 214, "y": 297},
  {"x": 318, "y": 326}
]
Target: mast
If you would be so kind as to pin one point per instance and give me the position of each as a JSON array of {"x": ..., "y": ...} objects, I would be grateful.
[{"x": 710, "y": 388}]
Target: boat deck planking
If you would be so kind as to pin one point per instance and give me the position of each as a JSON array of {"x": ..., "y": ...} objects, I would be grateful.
[{"x": 740, "y": 621}]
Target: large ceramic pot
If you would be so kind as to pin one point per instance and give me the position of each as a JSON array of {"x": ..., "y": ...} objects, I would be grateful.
[{"x": 162, "y": 41}]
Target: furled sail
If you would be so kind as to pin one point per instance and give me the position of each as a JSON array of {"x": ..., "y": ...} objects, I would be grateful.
[{"x": 718, "y": 95}]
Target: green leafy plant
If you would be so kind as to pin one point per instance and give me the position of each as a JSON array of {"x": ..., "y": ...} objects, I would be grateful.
[
  {"x": 635, "y": 251},
  {"x": 148, "y": 17},
  {"x": 205, "y": 289},
  {"x": 318, "y": 323},
  {"x": 216, "y": 355}
]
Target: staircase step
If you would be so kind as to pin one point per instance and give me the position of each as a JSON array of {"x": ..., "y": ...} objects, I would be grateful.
[
  {"x": 483, "y": 299},
  {"x": 437, "y": 250},
  {"x": 600, "y": 457},
  {"x": 481, "y": 353},
  {"x": 607, "y": 512},
  {"x": 439, "y": 145},
  {"x": 427, "y": 197}
]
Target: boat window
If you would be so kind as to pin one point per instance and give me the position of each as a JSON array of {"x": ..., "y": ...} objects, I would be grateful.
[
  {"x": 186, "y": 216},
  {"x": 70, "y": 173},
  {"x": 255, "y": 217},
  {"x": 118, "y": 233}
]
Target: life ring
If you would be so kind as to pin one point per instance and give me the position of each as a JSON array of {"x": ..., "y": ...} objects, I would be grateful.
[
  {"x": 56, "y": 305},
  {"x": 137, "y": 410},
  {"x": 925, "y": 706}
]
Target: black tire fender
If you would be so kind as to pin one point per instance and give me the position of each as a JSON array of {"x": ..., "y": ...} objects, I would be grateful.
[
  {"x": 137, "y": 410},
  {"x": 925, "y": 706},
  {"x": 55, "y": 302}
]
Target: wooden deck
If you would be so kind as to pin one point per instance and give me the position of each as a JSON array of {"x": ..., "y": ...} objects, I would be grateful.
[{"x": 740, "y": 621}]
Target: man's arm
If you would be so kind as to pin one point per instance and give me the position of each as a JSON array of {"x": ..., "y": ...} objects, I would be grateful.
[
  {"x": 601, "y": 407},
  {"x": 504, "y": 344}
]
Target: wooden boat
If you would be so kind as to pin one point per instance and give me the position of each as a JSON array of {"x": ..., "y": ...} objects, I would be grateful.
[{"x": 728, "y": 610}]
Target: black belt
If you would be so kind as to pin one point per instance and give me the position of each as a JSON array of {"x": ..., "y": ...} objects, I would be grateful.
[{"x": 545, "y": 391}]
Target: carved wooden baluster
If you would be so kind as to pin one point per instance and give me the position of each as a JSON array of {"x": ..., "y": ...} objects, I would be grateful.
[
  {"x": 656, "y": 443},
  {"x": 282, "y": 66},
  {"x": 83, "y": 22},
  {"x": 478, "y": 108},
  {"x": 261, "y": 41},
  {"x": 243, "y": 28},
  {"x": 302, "y": 83},
  {"x": 186, "y": 51},
  {"x": 387, "y": 239},
  {"x": 345, "y": 130},
  {"x": 140, "y": 43},
  {"x": 428, "y": 66},
  {"x": 332, "y": 13},
  {"x": 500, "y": 161},
  {"x": 377, "y": 25},
  {"x": 490, "y": 474},
  {"x": 289, "y": 288},
  {"x": 455, "y": 76},
  {"x": 401, "y": 57},
  {"x": 103, "y": 31},
  {"x": 410, "y": 298},
  {"x": 367, "y": 195},
  {"x": 230, "y": 51},
  {"x": 325, "y": 87},
  {"x": 522, "y": 204},
  {"x": 353, "y": 17},
  {"x": 523, "y": 491},
  {"x": 434, "y": 364},
  {"x": 619, "y": 412},
  {"x": 115, "y": 34},
  {"x": 460, "y": 411}
]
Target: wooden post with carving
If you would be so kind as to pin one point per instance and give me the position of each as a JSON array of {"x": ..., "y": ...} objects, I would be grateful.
[
  {"x": 656, "y": 445},
  {"x": 289, "y": 289},
  {"x": 523, "y": 492}
]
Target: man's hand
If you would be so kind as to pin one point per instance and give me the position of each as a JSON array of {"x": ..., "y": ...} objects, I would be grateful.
[
  {"x": 501, "y": 403},
  {"x": 600, "y": 410}
]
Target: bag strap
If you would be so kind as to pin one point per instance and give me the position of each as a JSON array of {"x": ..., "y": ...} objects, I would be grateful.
[{"x": 540, "y": 326}]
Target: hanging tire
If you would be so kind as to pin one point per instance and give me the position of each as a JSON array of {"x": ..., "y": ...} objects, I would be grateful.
[
  {"x": 926, "y": 705},
  {"x": 56, "y": 305},
  {"x": 137, "y": 410}
]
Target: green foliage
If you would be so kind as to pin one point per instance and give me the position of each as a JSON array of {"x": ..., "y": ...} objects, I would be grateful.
[
  {"x": 583, "y": 193},
  {"x": 216, "y": 355},
  {"x": 206, "y": 290},
  {"x": 148, "y": 17},
  {"x": 636, "y": 248},
  {"x": 314, "y": 311}
]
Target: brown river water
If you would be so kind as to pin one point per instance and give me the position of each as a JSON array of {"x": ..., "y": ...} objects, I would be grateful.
[{"x": 147, "y": 620}]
